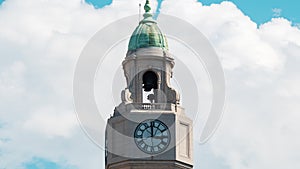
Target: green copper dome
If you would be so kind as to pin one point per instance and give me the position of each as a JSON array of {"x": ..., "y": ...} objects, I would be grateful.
[{"x": 147, "y": 34}]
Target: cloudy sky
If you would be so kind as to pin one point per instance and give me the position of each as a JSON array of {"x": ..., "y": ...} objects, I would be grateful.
[{"x": 258, "y": 43}]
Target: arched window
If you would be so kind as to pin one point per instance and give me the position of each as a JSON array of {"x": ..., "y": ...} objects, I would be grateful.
[
  {"x": 149, "y": 81},
  {"x": 149, "y": 85}
]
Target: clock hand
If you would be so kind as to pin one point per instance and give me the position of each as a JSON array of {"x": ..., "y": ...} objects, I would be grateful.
[
  {"x": 152, "y": 125},
  {"x": 149, "y": 132},
  {"x": 152, "y": 129}
]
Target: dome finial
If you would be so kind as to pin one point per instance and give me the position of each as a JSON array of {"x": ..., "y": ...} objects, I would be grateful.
[
  {"x": 147, "y": 6},
  {"x": 147, "y": 15}
]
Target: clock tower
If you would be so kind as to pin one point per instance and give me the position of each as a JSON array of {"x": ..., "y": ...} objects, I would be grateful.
[{"x": 149, "y": 129}]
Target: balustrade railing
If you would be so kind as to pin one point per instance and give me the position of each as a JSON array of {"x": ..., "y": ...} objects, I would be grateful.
[{"x": 152, "y": 106}]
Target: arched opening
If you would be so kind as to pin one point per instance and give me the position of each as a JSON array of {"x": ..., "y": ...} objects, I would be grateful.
[
  {"x": 149, "y": 81},
  {"x": 149, "y": 85}
]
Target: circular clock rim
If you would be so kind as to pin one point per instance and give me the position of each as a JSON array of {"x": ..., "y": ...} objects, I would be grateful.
[{"x": 137, "y": 129}]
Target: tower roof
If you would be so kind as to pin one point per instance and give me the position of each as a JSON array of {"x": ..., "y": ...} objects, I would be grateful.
[{"x": 147, "y": 33}]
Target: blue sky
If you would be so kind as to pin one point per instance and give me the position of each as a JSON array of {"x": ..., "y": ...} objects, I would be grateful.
[
  {"x": 260, "y": 11},
  {"x": 40, "y": 163},
  {"x": 36, "y": 74}
]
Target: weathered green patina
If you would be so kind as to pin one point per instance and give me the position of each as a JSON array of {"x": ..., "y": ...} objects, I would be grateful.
[{"x": 147, "y": 34}]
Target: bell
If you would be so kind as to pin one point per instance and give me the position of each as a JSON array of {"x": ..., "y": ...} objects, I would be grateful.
[
  {"x": 151, "y": 98},
  {"x": 148, "y": 86},
  {"x": 149, "y": 81}
]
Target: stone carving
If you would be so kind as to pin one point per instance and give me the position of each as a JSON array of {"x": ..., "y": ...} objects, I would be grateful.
[
  {"x": 126, "y": 96},
  {"x": 173, "y": 96}
]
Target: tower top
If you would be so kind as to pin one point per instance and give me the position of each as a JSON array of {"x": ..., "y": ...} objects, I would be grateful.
[
  {"x": 147, "y": 33},
  {"x": 147, "y": 15},
  {"x": 147, "y": 6}
]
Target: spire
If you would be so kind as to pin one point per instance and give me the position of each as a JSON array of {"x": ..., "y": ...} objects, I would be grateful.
[
  {"x": 147, "y": 6},
  {"x": 147, "y": 15}
]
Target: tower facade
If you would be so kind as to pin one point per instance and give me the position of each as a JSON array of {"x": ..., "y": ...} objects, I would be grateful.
[{"x": 149, "y": 129}]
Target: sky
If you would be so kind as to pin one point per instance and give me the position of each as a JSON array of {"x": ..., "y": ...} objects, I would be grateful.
[
  {"x": 259, "y": 11},
  {"x": 258, "y": 43}
]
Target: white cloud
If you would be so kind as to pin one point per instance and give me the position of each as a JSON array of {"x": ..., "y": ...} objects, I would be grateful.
[
  {"x": 51, "y": 123},
  {"x": 11, "y": 80},
  {"x": 41, "y": 40},
  {"x": 233, "y": 34},
  {"x": 276, "y": 12},
  {"x": 261, "y": 68}
]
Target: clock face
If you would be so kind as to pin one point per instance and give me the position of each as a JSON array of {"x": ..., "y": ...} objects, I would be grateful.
[{"x": 152, "y": 136}]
